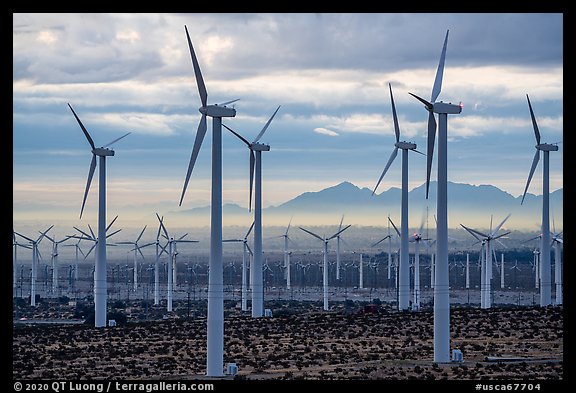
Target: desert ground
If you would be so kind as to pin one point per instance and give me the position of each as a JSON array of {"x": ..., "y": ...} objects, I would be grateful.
[{"x": 352, "y": 341}]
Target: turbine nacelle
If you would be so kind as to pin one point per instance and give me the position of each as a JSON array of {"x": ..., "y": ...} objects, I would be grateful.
[
  {"x": 447, "y": 107},
  {"x": 102, "y": 152},
  {"x": 405, "y": 145},
  {"x": 217, "y": 111},
  {"x": 256, "y": 146},
  {"x": 547, "y": 147}
]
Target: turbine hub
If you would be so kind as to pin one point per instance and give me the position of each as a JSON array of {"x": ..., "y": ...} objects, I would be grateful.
[
  {"x": 101, "y": 151},
  {"x": 217, "y": 111},
  {"x": 405, "y": 145},
  {"x": 446, "y": 107},
  {"x": 256, "y": 146},
  {"x": 547, "y": 147}
]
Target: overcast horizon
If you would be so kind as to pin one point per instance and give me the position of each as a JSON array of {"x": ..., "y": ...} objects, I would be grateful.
[{"x": 328, "y": 72}]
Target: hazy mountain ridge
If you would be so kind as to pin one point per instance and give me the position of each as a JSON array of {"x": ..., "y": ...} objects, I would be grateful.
[{"x": 468, "y": 204}]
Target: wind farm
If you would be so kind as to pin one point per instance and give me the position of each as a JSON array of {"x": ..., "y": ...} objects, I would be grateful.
[{"x": 198, "y": 282}]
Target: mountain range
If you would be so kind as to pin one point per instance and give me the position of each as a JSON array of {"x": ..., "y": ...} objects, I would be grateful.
[{"x": 468, "y": 204}]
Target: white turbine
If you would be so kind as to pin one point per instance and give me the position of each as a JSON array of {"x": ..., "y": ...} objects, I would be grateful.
[
  {"x": 55, "y": 272},
  {"x": 136, "y": 251},
  {"x": 485, "y": 300},
  {"x": 545, "y": 281},
  {"x": 416, "y": 239},
  {"x": 325, "y": 265},
  {"x": 215, "y": 320},
  {"x": 173, "y": 252},
  {"x": 35, "y": 255},
  {"x": 77, "y": 259},
  {"x": 15, "y": 262},
  {"x": 159, "y": 250},
  {"x": 404, "y": 273},
  {"x": 100, "y": 284},
  {"x": 245, "y": 257},
  {"x": 441, "y": 282},
  {"x": 287, "y": 273},
  {"x": 338, "y": 250},
  {"x": 256, "y": 166},
  {"x": 557, "y": 241}
]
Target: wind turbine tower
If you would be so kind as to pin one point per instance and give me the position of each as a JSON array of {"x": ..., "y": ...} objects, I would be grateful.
[
  {"x": 256, "y": 165},
  {"x": 441, "y": 282},
  {"x": 545, "y": 279},
  {"x": 325, "y": 240},
  {"x": 100, "y": 284},
  {"x": 404, "y": 268},
  {"x": 35, "y": 254},
  {"x": 215, "y": 320},
  {"x": 246, "y": 249}
]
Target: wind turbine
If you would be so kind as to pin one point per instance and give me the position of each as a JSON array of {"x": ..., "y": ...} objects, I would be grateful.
[
  {"x": 404, "y": 268},
  {"x": 55, "y": 273},
  {"x": 77, "y": 249},
  {"x": 487, "y": 238},
  {"x": 338, "y": 250},
  {"x": 545, "y": 281},
  {"x": 441, "y": 282},
  {"x": 389, "y": 237},
  {"x": 256, "y": 165},
  {"x": 100, "y": 284},
  {"x": 287, "y": 256},
  {"x": 416, "y": 239},
  {"x": 15, "y": 261},
  {"x": 159, "y": 250},
  {"x": 173, "y": 252},
  {"x": 245, "y": 256},
  {"x": 215, "y": 320},
  {"x": 557, "y": 240},
  {"x": 35, "y": 255},
  {"x": 136, "y": 251},
  {"x": 325, "y": 266}
]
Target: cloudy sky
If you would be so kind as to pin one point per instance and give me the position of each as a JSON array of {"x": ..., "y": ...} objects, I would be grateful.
[{"x": 329, "y": 72}]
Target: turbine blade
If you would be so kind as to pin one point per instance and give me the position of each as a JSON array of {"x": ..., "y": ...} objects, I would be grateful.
[
  {"x": 380, "y": 241},
  {"x": 25, "y": 237},
  {"x": 427, "y": 104},
  {"x": 162, "y": 226},
  {"x": 502, "y": 223},
  {"x": 532, "y": 169},
  {"x": 92, "y": 232},
  {"x": 89, "y": 181},
  {"x": 470, "y": 231},
  {"x": 228, "y": 102},
  {"x": 249, "y": 230},
  {"x": 249, "y": 249},
  {"x": 197, "y": 144},
  {"x": 82, "y": 232},
  {"x": 266, "y": 126},
  {"x": 396, "y": 127},
  {"x": 419, "y": 152},
  {"x": 440, "y": 71},
  {"x": 396, "y": 229},
  {"x": 390, "y": 160},
  {"x": 238, "y": 135},
  {"x": 341, "y": 221},
  {"x": 199, "y": 80},
  {"x": 111, "y": 223},
  {"x": 311, "y": 233},
  {"x": 141, "y": 233},
  {"x": 83, "y": 128},
  {"x": 113, "y": 233},
  {"x": 534, "y": 124},
  {"x": 339, "y": 232},
  {"x": 116, "y": 140},
  {"x": 290, "y": 222},
  {"x": 502, "y": 235}
]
